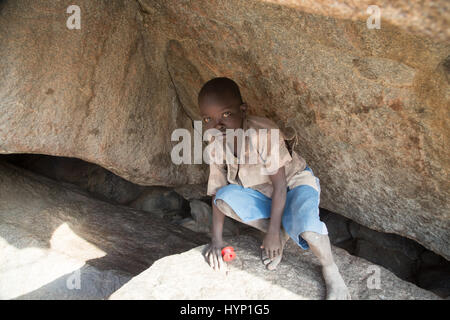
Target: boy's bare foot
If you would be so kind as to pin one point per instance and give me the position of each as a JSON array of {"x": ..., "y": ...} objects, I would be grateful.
[
  {"x": 336, "y": 288},
  {"x": 271, "y": 264}
]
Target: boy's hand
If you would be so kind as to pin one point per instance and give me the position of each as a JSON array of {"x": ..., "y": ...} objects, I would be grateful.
[
  {"x": 213, "y": 255},
  {"x": 272, "y": 245}
]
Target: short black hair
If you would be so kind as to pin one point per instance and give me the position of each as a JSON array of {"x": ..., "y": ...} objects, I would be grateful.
[{"x": 223, "y": 89}]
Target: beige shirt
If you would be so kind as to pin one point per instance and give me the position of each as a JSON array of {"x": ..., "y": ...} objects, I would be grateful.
[{"x": 249, "y": 174}]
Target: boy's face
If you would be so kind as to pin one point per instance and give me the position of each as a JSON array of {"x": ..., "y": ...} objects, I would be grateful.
[{"x": 221, "y": 115}]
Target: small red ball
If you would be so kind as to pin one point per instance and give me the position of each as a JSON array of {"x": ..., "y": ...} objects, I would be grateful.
[{"x": 228, "y": 254}]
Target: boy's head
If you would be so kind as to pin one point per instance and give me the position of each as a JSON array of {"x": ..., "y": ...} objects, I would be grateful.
[{"x": 221, "y": 104}]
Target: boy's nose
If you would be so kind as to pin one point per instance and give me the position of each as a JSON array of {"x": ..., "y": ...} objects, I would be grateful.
[{"x": 220, "y": 126}]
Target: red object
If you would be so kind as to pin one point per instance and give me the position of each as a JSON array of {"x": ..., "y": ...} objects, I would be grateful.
[{"x": 228, "y": 254}]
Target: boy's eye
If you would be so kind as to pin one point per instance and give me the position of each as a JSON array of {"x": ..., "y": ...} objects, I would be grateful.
[
  {"x": 206, "y": 119},
  {"x": 226, "y": 114}
]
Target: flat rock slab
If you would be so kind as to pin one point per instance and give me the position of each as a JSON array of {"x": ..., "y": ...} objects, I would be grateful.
[
  {"x": 57, "y": 242},
  {"x": 188, "y": 276}
]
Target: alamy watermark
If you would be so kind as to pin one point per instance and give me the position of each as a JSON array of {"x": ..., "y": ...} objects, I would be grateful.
[
  {"x": 374, "y": 280},
  {"x": 74, "y": 21},
  {"x": 374, "y": 20},
  {"x": 74, "y": 280},
  {"x": 264, "y": 149}
]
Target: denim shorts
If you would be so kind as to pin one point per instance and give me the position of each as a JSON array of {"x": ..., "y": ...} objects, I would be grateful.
[{"x": 301, "y": 211}]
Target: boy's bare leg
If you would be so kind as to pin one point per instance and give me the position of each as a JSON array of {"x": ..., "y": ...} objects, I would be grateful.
[
  {"x": 321, "y": 248},
  {"x": 260, "y": 224},
  {"x": 318, "y": 243}
]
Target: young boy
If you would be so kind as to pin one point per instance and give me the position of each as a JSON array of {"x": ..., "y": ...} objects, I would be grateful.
[{"x": 281, "y": 201}]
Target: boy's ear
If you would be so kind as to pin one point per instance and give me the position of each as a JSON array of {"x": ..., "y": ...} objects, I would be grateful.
[{"x": 243, "y": 107}]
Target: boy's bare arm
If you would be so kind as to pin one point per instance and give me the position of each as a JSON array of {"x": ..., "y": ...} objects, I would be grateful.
[
  {"x": 217, "y": 223},
  {"x": 272, "y": 241},
  {"x": 278, "y": 199},
  {"x": 213, "y": 250}
]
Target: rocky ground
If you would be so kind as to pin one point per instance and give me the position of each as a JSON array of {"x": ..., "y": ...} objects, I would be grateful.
[
  {"x": 59, "y": 242},
  {"x": 53, "y": 236},
  {"x": 187, "y": 276}
]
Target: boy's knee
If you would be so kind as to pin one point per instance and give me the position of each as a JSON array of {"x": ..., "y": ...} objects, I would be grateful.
[
  {"x": 312, "y": 237},
  {"x": 226, "y": 209}
]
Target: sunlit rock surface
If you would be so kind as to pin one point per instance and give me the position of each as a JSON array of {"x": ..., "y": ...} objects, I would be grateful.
[
  {"x": 370, "y": 106},
  {"x": 188, "y": 276},
  {"x": 57, "y": 242}
]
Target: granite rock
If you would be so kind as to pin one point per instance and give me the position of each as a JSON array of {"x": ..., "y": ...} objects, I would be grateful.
[
  {"x": 370, "y": 106},
  {"x": 52, "y": 235},
  {"x": 188, "y": 276}
]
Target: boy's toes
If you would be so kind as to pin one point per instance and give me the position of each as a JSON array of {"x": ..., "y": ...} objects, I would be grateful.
[
  {"x": 266, "y": 261},
  {"x": 272, "y": 264}
]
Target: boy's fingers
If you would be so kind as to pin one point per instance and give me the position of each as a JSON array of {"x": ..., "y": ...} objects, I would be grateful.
[
  {"x": 221, "y": 262},
  {"x": 216, "y": 261},
  {"x": 217, "y": 258},
  {"x": 210, "y": 259}
]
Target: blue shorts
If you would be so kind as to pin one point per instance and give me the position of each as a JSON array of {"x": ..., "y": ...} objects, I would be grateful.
[{"x": 301, "y": 211}]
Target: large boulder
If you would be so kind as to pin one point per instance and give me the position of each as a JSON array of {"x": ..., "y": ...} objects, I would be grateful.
[
  {"x": 188, "y": 276},
  {"x": 370, "y": 105},
  {"x": 57, "y": 242},
  {"x": 101, "y": 93}
]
